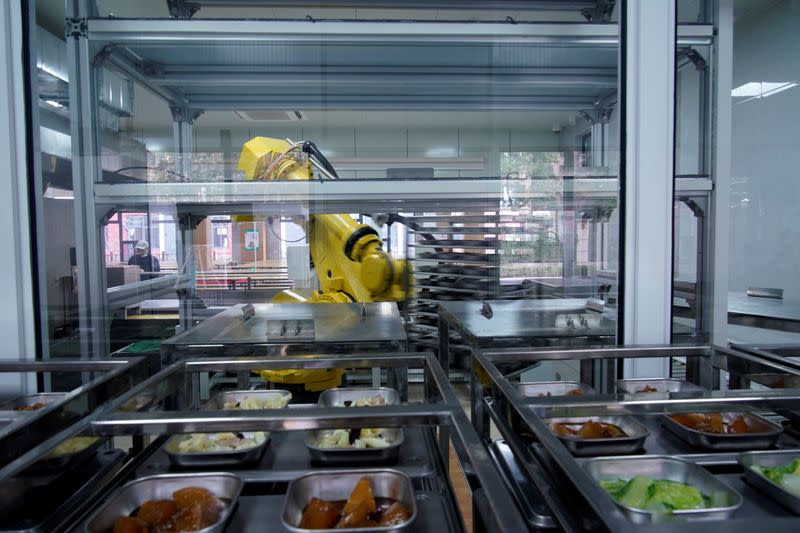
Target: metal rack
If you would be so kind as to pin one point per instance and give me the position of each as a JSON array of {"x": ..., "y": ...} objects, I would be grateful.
[
  {"x": 100, "y": 381},
  {"x": 433, "y": 424},
  {"x": 564, "y": 491}
]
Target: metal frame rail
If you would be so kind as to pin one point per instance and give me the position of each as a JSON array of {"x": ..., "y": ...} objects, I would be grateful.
[
  {"x": 178, "y": 387},
  {"x": 577, "y": 502},
  {"x": 28, "y": 429}
]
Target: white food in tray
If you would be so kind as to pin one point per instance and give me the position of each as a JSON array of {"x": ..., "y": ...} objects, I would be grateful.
[
  {"x": 253, "y": 403},
  {"x": 221, "y": 442}
]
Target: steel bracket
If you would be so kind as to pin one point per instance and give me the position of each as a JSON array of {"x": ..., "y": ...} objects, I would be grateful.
[
  {"x": 696, "y": 209},
  {"x": 76, "y": 27},
  {"x": 181, "y": 9},
  {"x": 601, "y": 13},
  {"x": 599, "y": 115},
  {"x": 184, "y": 113},
  {"x": 187, "y": 221},
  {"x": 692, "y": 55}
]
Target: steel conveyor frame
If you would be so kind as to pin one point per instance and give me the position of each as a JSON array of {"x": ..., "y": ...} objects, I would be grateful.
[
  {"x": 576, "y": 501},
  {"x": 440, "y": 416}
]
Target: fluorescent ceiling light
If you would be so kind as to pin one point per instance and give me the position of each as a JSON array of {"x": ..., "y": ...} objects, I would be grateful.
[
  {"x": 58, "y": 193},
  {"x": 761, "y": 89},
  {"x": 53, "y": 103}
]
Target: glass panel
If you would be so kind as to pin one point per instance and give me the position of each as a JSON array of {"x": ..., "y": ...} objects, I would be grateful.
[
  {"x": 694, "y": 11},
  {"x": 764, "y": 188},
  {"x": 484, "y": 161}
]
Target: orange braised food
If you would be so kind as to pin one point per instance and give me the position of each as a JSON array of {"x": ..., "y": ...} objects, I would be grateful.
[
  {"x": 362, "y": 509},
  {"x": 588, "y": 430},
  {"x": 647, "y": 388},
  {"x": 33, "y": 407},
  {"x": 190, "y": 509},
  {"x": 714, "y": 423}
]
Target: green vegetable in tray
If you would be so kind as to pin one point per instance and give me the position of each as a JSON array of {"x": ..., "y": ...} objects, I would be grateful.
[
  {"x": 661, "y": 495},
  {"x": 787, "y": 476}
]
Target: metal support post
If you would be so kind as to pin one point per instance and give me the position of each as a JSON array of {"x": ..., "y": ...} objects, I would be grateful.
[
  {"x": 444, "y": 344},
  {"x": 649, "y": 178},
  {"x": 187, "y": 224},
  {"x": 86, "y": 171},
  {"x": 182, "y": 120},
  {"x": 721, "y": 174}
]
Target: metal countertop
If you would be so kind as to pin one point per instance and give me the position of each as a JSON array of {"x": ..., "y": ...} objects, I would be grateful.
[{"x": 331, "y": 323}]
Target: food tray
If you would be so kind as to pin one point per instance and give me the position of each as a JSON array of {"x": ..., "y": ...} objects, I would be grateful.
[
  {"x": 726, "y": 441},
  {"x": 673, "y": 469},
  {"x": 633, "y": 443},
  {"x": 32, "y": 399},
  {"x": 764, "y": 484},
  {"x": 339, "y": 397},
  {"x": 632, "y": 386},
  {"x": 210, "y": 459},
  {"x": 353, "y": 456},
  {"x": 52, "y": 462},
  {"x": 555, "y": 388},
  {"x": 219, "y": 400},
  {"x": 337, "y": 485},
  {"x": 130, "y": 497}
]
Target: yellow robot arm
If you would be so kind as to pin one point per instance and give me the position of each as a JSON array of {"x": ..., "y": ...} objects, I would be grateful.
[{"x": 349, "y": 259}]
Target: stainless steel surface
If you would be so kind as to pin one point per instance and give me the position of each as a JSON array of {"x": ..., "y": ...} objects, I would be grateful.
[
  {"x": 727, "y": 501},
  {"x": 553, "y": 388},
  {"x": 219, "y": 400},
  {"x": 234, "y": 458},
  {"x": 102, "y": 381},
  {"x": 527, "y": 495},
  {"x": 580, "y": 447},
  {"x": 576, "y": 502},
  {"x": 344, "y": 397},
  {"x": 24, "y": 401},
  {"x": 129, "y": 498},
  {"x": 765, "y": 438},
  {"x": 426, "y": 457},
  {"x": 528, "y": 318},
  {"x": 338, "y": 328},
  {"x": 634, "y": 385},
  {"x": 766, "y": 485},
  {"x": 53, "y": 462},
  {"x": 355, "y": 456},
  {"x": 338, "y": 485}
]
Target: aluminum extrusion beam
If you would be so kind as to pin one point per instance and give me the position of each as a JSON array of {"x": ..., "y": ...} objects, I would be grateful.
[
  {"x": 516, "y": 5},
  {"x": 131, "y": 293}
]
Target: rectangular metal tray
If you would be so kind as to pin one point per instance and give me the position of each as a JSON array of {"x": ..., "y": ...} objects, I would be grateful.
[
  {"x": 356, "y": 456},
  {"x": 633, "y": 443},
  {"x": 130, "y": 497},
  {"x": 32, "y": 399},
  {"x": 555, "y": 388},
  {"x": 727, "y": 441},
  {"x": 764, "y": 484},
  {"x": 50, "y": 462},
  {"x": 673, "y": 469},
  {"x": 663, "y": 385},
  {"x": 219, "y": 400},
  {"x": 341, "y": 397},
  {"x": 213, "y": 459},
  {"x": 337, "y": 485}
]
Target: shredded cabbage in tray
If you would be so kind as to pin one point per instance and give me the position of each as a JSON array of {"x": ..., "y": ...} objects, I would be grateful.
[
  {"x": 787, "y": 476},
  {"x": 221, "y": 442},
  {"x": 254, "y": 403},
  {"x": 659, "y": 495}
]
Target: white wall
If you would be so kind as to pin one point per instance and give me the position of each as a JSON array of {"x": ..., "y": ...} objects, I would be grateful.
[{"x": 765, "y": 187}]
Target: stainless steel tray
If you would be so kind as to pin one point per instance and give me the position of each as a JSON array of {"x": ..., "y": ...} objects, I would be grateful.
[
  {"x": 219, "y": 400},
  {"x": 764, "y": 484},
  {"x": 673, "y": 469},
  {"x": 211, "y": 459},
  {"x": 337, "y": 485},
  {"x": 344, "y": 397},
  {"x": 130, "y": 497},
  {"x": 356, "y": 456},
  {"x": 633, "y": 443},
  {"x": 32, "y": 399},
  {"x": 56, "y": 461},
  {"x": 633, "y": 386},
  {"x": 727, "y": 441},
  {"x": 555, "y": 388}
]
